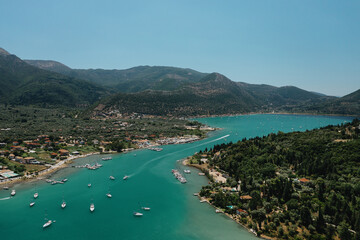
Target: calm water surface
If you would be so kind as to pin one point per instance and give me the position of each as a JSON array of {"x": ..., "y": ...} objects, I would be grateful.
[{"x": 175, "y": 212}]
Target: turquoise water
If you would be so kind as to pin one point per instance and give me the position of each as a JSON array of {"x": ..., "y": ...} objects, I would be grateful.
[{"x": 175, "y": 212}]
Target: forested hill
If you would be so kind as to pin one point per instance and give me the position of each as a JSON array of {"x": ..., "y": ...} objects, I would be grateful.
[
  {"x": 130, "y": 80},
  {"x": 301, "y": 184},
  {"x": 23, "y": 84}
]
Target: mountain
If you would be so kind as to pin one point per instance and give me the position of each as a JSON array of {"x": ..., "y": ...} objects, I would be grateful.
[
  {"x": 347, "y": 105},
  {"x": 134, "y": 79},
  {"x": 23, "y": 84}
]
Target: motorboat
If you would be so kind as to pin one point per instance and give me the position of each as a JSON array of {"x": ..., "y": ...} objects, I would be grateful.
[
  {"x": 89, "y": 185},
  {"x": 64, "y": 180},
  {"x": 112, "y": 178},
  {"x": 13, "y": 192},
  {"x": 6, "y": 188},
  {"x": 146, "y": 208},
  {"x": 92, "y": 207},
  {"x": 138, "y": 214},
  {"x": 36, "y": 195},
  {"x": 109, "y": 195},
  {"x": 32, "y": 204},
  {"x": 48, "y": 223},
  {"x": 63, "y": 205},
  {"x": 125, "y": 177},
  {"x": 187, "y": 171}
]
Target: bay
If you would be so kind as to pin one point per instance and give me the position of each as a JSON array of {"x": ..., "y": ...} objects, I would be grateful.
[{"x": 175, "y": 212}]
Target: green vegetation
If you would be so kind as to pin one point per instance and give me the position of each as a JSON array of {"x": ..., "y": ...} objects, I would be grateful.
[{"x": 297, "y": 185}]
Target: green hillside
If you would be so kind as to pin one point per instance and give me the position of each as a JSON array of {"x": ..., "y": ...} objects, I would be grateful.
[{"x": 23, "y": 84}]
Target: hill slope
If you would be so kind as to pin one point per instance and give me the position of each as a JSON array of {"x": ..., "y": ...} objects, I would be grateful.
[
  {"x": 134, "y": 79},
  {"x": 23, "y": 84}
]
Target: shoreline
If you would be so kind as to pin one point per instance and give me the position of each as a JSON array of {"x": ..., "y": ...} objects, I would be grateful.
[
  {"x": 185, "y": 162},
  {"x": 46, "y": 172},
  {"x": 274, "y": 113}
]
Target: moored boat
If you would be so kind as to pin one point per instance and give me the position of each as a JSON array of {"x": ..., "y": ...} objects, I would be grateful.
[
  {"x": 112, "y": 178},
  {"x": 109, "y": 195},
  {"x": 48, "y": 223},
  {"x": 36, "y": 195},
  {"x": 63, "y": 204},
  {"x": 92, "y": 207},
  {"x": 32, "y": 204},
  {"x": 138, "y": 214},
  {"x": 13, "y": 192}
]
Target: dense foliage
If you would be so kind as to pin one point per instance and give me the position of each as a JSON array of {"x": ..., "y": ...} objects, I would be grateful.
[{"x": 302, "y": 184}]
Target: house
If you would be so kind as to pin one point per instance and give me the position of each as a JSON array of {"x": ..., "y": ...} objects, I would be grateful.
[
  {"x": 19, "y": 159},
  {"x": 245, "y": 197},
  {"x": 304, "y": 180},
  {"x": 2, "y": 144},
  {"x": 15, "y": 143},
  {"x": 11, "y": 156},
  {"x": 63, "y": 152},
  {"x": 29, "y": 159},
  {"x": 53, "y": 155},
  {"x": 241, "y": 211}
]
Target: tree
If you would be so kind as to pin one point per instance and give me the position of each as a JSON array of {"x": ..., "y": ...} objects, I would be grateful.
[
  {"x": 320, "y": 222},
  {"x": 344, "y": 231},
  {"x": 305, "y": 216},
  {"x": 259, "y": 216}
]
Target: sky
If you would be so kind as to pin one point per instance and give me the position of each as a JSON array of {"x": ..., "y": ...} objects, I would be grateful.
[{"x": 314, "y": 45}]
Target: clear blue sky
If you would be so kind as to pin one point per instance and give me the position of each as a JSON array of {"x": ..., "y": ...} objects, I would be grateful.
[{"x": 314, "y": 45}]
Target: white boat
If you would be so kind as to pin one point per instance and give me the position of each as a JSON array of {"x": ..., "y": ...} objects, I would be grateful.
[
  {"x": 13, "y": 192},
  {"x": 32, "y": 204},
  {"x": 92, "y": 207},
  {"x": 64, "y": 180},
  {"x": 63, "y": 205},
  {"x": 146, "y": 208},
  {"x": 138, "y": 214},
  {"x": 89, "y": 185},
  {"x": 106, "y": 158},
  {"x": 125, "y": 177},
  {"x": 112, "y": 178},
  {"x": 218, "y": 211},
  {"x": 36, "y": 195},
  {"x": 109, "y": 195},
  {"x": 48, "y": 223},
  {"x": 187, "y": 171},
  {"x": 6, "y": 188},
  {"x": 196, "y": 194}
]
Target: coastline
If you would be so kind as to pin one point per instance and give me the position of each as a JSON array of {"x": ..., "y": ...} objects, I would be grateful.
[
  {"x": 46, "y": 172},
  {"x": 185, "y": 162}
]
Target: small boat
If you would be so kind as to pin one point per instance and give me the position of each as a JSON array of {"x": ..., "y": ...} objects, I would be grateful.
[
  {"x": 89, "y": 185},
  {"x": 64, "y": 180},
  {"x": 125, "y": 177},
  {"x": 32, "y": 204},
  {"x": 112, "y": 178},
  {"x": 48, "y": 223},
  {"x": 63, "y": 205},
  {"x": 36, "y": 195},
  {"x": 146, "y": 208},
  {"x": 203, "y": 200},
  {"x": 196, "y": 194},
  {"x": 92, "y": 207},
  {"x": 187, "y": 171},
  {"x": 218, "y": 211},
  {"x": 106, "y": 158},
  {"x": 13, "y": 192},
  {"x": 109, "y": 195},
  {"x": 6, "y": 188},
  {"x": 138, "y": 214}
]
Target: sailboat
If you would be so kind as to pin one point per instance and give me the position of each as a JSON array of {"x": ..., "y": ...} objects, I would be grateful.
[{"x": 47, "y": 223}]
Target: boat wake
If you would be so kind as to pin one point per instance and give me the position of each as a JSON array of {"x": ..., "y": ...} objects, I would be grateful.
[
  {"x": 6, "y": 198},
  {"x": 172, "y": 153}
]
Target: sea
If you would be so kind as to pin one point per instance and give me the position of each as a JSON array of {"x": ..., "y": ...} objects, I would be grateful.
[{"x": 175, "y": 212}]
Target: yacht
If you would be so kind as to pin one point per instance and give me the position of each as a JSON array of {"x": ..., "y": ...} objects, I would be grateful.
[
  {"x": 48, "y": 223},
  {"x": 138, "y": 214},
  {"x": 187, "y": 171},
  {"x": 92, "y": 207},
  {"x": 112, "y": 178},
  {"x": 89, "y": 185},
  {"x": 146, "y": 208},
  {"x": 126, "y": 177},
  {"x": 63, "y": 205},
  {"x": 109, "y": 195},
  {"x": 13, "y": 192},
  {"x": 36, "y": 195},
  {"x": 64, "y": 180},
  {"x": 32, "y": 204}
]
